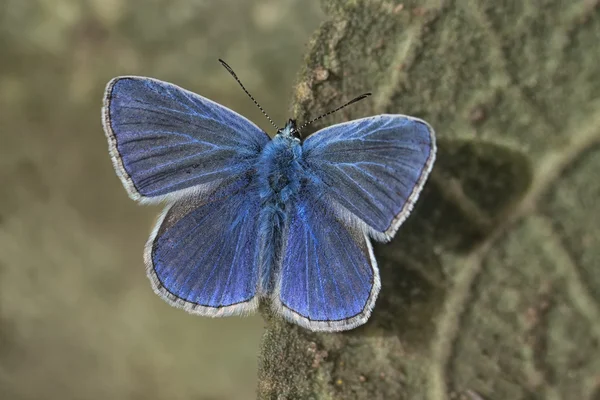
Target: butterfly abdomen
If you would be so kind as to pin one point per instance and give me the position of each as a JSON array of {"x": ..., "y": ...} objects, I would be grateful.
[{"x": 280, "y": 176}]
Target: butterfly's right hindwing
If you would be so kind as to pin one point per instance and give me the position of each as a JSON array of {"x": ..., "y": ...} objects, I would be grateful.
[
  {"x": 328, "y": 279},
  {"x": 165, "y": 141}
]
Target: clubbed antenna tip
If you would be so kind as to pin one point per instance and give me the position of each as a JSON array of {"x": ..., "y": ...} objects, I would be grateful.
[{"x": 354, "y": 100}]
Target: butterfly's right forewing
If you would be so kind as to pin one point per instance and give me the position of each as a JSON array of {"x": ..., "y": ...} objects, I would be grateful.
[
  {"x": 165, "y": 141},
  {"x": 373, "y": 168}
]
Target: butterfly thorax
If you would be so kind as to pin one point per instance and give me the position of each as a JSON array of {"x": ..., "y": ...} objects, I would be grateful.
[{"x": 280, "y": 170}]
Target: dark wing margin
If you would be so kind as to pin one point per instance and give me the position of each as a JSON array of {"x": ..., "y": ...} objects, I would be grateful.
[{"x": 165, "y": 141}]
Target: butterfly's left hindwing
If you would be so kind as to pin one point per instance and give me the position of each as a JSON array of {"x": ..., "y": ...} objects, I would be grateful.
[
  {"x": 202, "y": 255},
  {"x": 166, "y": 141},
  {"x": 373, "y": 168}
]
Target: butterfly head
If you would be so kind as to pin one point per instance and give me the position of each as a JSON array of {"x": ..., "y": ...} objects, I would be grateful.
[{"x": 290, "y": 130}]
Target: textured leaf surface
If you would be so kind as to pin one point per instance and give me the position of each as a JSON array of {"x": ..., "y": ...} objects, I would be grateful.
[{"x": 492, "y": 286}]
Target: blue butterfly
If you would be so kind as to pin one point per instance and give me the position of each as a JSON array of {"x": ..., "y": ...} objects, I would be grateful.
[{"x": 248, "y": 217}]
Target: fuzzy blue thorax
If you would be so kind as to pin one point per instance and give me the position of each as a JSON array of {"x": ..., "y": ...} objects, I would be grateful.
[{"x": 280, "y": 167}]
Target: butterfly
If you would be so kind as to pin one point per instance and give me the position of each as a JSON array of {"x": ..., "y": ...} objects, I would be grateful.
[{"x": 248, "y": 218}]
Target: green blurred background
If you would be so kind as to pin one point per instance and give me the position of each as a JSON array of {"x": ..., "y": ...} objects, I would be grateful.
[{"x": 78, "y": 319}]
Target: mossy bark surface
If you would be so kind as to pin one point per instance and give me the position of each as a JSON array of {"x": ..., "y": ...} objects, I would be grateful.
[{"x": 492, "y": 286}]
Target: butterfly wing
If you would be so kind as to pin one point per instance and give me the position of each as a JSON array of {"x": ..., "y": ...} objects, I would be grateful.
[
  {"x": 373, "y": 168},
  {"x": 202, "y": 255},
  {"x": 165, "y": 140},
  {"x": 328, "y": 278}
]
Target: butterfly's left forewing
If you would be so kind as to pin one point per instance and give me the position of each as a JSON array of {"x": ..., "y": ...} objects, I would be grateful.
[
  {"x": 373, "y": 168},
  {"x": 166, "y": 141}
]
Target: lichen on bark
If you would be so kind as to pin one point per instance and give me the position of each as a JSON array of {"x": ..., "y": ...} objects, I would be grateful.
[{"x": 492, "y": 285}]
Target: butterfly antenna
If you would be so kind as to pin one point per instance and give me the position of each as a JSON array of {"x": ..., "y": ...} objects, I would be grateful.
[
  {"x": 362, "y": 96},
  {"x": 228, "y": 68}
]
